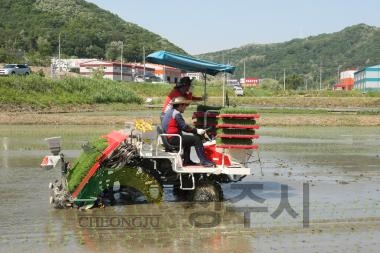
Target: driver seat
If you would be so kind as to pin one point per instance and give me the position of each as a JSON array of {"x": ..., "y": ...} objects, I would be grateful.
[{"x": 168, "y": 147}]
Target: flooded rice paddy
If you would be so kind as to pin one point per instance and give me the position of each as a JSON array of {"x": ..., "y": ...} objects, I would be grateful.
[{"x": 317, "y": 190}]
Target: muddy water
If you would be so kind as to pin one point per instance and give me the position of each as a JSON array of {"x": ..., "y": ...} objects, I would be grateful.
[{"x": 329, "y": 175}]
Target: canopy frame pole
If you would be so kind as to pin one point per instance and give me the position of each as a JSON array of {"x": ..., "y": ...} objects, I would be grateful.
[
  {"x": 224, "y": 88},
  {"x": 204, "y": 89}
]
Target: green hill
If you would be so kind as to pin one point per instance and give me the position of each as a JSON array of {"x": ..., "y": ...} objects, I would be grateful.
[
  {"x": 30, "y": 31},
  {"x": 353, "y": 47}
]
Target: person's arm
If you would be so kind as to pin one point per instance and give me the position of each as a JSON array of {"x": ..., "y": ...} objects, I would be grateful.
[
  {"x": 182, "y": 124},
  {"x": 191, "y": 97},
  {"x": 166, "y": 103},
  {"x": 197, "y": 98}
]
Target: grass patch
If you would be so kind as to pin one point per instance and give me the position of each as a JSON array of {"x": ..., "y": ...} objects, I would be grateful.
[
  {"x": 370, "y": 112},
  {"x": 38, "y": 92},
  {"x": 33, "y": 93}
]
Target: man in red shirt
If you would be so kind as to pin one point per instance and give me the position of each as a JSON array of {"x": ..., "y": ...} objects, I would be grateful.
[{"x": 181, "y": 89}]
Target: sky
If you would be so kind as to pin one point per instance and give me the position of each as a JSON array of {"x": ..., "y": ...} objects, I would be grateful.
[{"x": 203, "y": 26}]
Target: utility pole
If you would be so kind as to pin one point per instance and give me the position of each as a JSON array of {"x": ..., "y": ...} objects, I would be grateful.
[
  {"x": 164, "y": 77},
  {"x": 284, "y": 79},
  {"x": 320, "y": 78},
  {"x": 59, "y": 46},
  {"x": 59, "y": 52},
  {"x": 305, "y": 81},
  {"x": 244, "y": 71},
  {"x": 121, "y": 61},
  {"x": 337, "y": 81},
  {"x": 144, "y": 62}
]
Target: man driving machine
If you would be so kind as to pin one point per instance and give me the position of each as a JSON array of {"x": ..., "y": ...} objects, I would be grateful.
[{"x": 174, "y": 123}]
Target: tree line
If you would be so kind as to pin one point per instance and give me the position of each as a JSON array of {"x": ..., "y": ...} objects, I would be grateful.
[
  {"x": 35, "y": 31},
  {"x": 311, "y": 62}
]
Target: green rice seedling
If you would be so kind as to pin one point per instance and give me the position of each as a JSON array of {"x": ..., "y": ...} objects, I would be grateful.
[
  {"x": 233, "y": 110},
  {"x": 235, "y": 131},
  {"x": 233, "y": 141},
  {"x": 85, "y": 161},
  {"x": 204, "y": 108},
  {"x": 237, "y": 121},
  {"x": 225, "y": 118}
]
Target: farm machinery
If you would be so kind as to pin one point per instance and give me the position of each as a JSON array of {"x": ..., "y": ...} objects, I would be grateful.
[{"x": 136, "y": 163}]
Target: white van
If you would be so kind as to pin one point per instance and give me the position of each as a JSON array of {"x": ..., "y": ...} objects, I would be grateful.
[{"x": 239, "y": 91}]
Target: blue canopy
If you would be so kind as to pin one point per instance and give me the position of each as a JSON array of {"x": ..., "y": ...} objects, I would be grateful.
[{"x": 188, "y": 63}]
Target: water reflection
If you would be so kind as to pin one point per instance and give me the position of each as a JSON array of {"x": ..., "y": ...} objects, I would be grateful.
[
  {"x": 28, "y": 223},
  {"x": 171, "y": 229}
]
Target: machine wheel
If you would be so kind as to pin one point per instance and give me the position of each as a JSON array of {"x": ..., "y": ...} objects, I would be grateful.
[
  {"x": 133, "y": 186},
  {"x": 207, "y": 191}
]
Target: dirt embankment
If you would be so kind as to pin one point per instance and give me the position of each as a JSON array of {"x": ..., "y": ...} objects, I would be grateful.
[
  {"x": 337, "y": 111},
  {"x": 315, "y": 102},
  {"x": 266, "y": 119}
]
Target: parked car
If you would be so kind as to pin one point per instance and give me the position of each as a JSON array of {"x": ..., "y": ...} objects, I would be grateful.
[
  {"x": 239, "y": 91},
  {"x": 15, "y": 69},
  {"x": 148, "y": 78}
]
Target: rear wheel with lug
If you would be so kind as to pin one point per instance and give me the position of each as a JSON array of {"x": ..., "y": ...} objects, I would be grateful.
[{"x": 207, "y": 191}]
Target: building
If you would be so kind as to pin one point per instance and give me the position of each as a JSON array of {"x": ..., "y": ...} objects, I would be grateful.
[
  {"x": 167, "y": 74},
  {"x": 131, "y": 71},
  {"x": 346, "y": 80},
  {"x": 114, "y": 70},
  {"x": 367, "y": 79},
  {"x": 67, "y": 65}
]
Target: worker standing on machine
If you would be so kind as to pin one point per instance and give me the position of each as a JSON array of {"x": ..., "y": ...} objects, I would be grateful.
[{"x": 183, "y": 88}]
